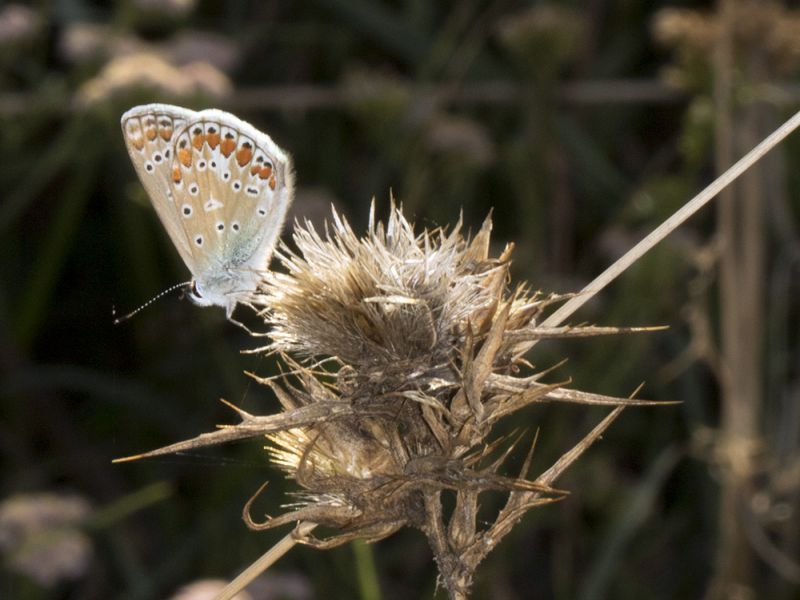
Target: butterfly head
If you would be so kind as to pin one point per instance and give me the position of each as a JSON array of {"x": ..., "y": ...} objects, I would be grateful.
[
  {"x": 225, "y": 289},
  {"x": 197, "y": 295}
]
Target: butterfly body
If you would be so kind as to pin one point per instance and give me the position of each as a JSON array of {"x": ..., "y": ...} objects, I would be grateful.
[{"x": 220, "y": 187}]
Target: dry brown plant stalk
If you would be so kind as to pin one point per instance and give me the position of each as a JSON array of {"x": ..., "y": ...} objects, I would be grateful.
[{"x": 422, "y": 341}]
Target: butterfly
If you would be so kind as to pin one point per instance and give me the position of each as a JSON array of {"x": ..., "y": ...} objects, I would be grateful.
[{"x": 220, "y": 187}]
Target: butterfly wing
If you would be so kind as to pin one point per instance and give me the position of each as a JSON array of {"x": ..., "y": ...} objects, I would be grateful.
[
  {"x": 149, "y": 132},
  {"x": 232, "y": 186}
]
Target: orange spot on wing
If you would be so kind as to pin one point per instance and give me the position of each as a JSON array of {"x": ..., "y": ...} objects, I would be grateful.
[
  {"x": 185, "y": 156},
  {"x": 213, "y": 140},
  {"x": 176, "y": 173},
  {"x": 254, "y": 169},
  {"x": 137, "y": 143},
  {"x": 265, "y": 172},
  {"x": 272, "y": 182},
  {"x": 243, "y": 156},
  {"x": 151, "y": 134},
  {"x": 166, "y": 134},
  {"x": 227, "y": 146},
  {"x": 197, "y": 141}
]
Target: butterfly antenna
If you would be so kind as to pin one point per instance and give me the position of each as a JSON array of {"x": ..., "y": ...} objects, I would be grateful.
[{"x": 118, "y": 320}]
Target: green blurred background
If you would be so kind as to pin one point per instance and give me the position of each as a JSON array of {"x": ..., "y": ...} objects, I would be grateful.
[{"x": 581, "y": 124}]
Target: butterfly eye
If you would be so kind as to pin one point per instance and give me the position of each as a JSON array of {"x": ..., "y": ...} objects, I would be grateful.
[{"x": 194, "y": 293}]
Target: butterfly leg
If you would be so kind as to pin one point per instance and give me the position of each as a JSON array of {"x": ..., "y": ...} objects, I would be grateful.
[{"x": 229, "y": 316}]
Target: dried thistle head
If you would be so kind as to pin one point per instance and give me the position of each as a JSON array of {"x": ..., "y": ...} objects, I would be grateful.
[
  {"x": 374, "y": 302},
  {"x": 765, "y": 29},
  {"x": 403, "y": 351},
  {"x": 422, "y": 343},
  {"x": 543, "y": 37}
]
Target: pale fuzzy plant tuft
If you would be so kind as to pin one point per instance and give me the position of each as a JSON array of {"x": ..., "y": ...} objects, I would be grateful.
[{"x": 377, "y": 301}]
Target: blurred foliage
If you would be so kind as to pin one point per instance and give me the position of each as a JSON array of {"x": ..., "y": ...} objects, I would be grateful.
[{"x": 450, "y": 106}]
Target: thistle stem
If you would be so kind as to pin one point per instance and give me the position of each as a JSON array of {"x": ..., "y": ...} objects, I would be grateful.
[{"x": 368, "y": 585}]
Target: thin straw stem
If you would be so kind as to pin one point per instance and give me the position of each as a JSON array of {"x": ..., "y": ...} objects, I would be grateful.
[
  {"x": 672, "y": 223},
  {"x": 265, "y": 561}
]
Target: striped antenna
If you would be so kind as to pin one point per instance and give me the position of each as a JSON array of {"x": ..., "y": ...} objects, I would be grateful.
[{"x": 118, "y": 320}]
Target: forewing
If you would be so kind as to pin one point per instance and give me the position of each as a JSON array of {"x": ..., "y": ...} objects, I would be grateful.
[
  {"x": 149, "y": 132},
  {"x": 232, "y": 186}
]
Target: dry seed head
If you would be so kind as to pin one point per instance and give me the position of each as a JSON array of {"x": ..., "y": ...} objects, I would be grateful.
[
  {"x": 390, "y": 297},
  {"x": 757, "y": 27},
  {"x": 401, "y": 352}
]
